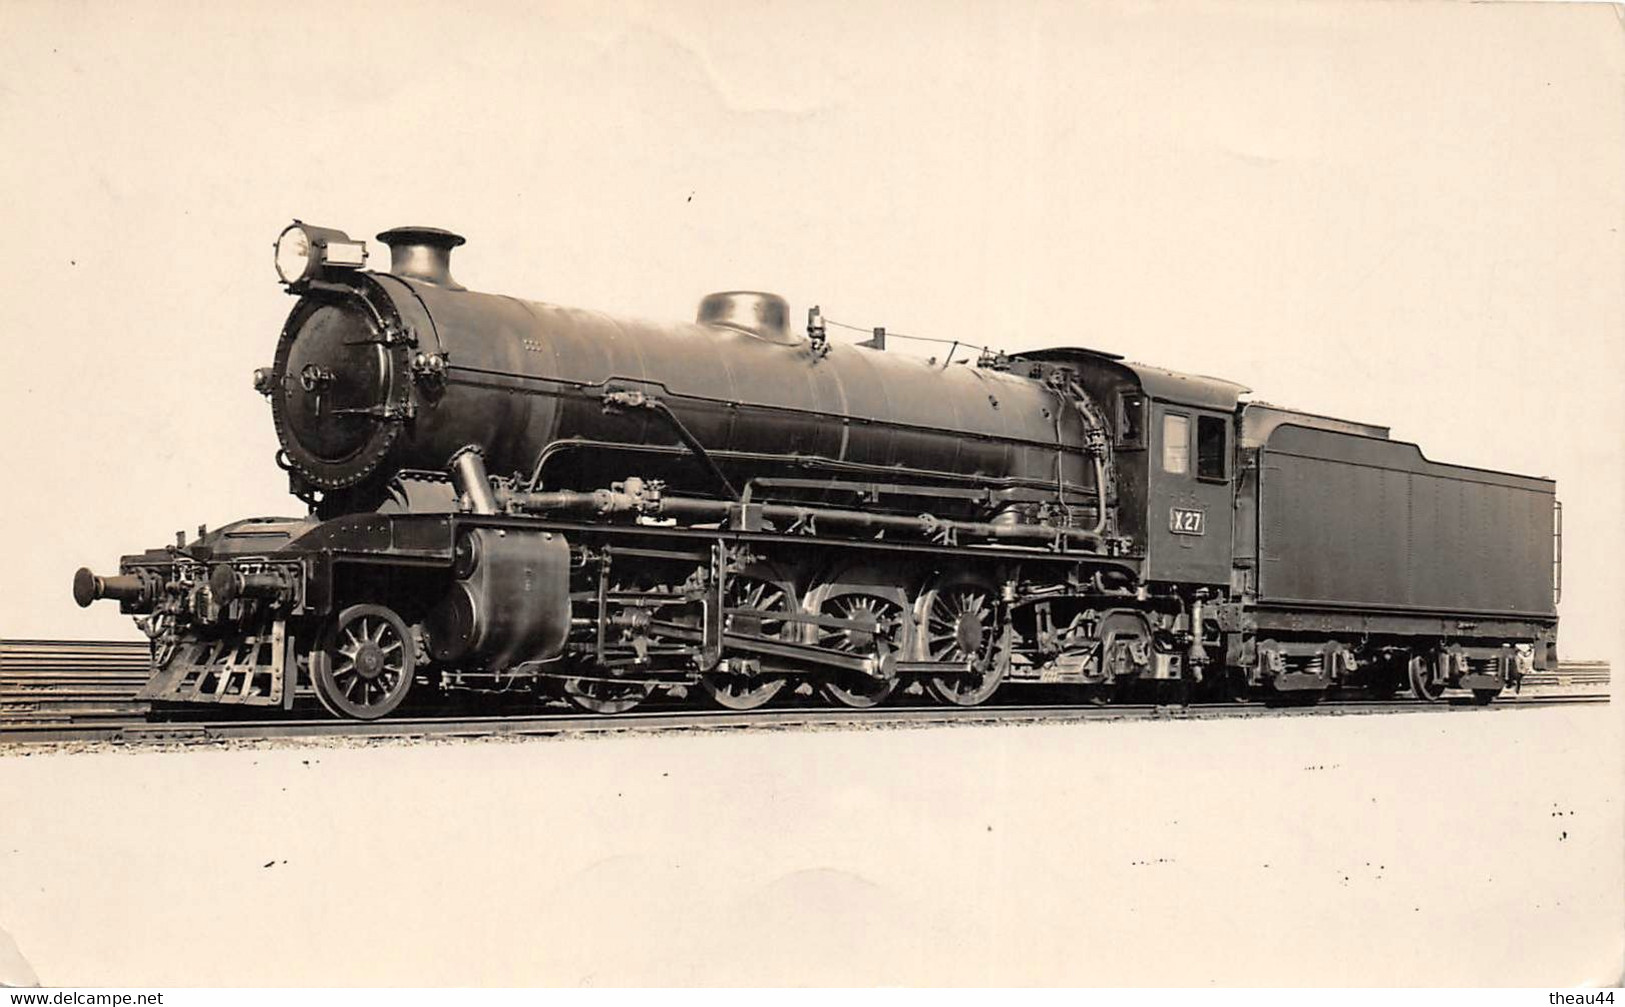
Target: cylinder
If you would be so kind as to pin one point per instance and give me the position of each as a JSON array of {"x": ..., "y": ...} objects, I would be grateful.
[{"x": 510, "y": 603}]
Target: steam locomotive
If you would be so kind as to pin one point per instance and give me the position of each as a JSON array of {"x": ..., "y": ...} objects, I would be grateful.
[{"x": 505, "y": 494}]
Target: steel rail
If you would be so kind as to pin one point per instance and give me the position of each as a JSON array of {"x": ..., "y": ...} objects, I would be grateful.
[{"x": 660, "y": 721}]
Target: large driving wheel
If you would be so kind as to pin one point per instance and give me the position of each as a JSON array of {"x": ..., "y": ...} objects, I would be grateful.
[
  {"x": 758, "y": 589},
  {"x": 880, "y": 628},
  {"x": 365, "y": 666},
  {"x": 959, "y": 623}
]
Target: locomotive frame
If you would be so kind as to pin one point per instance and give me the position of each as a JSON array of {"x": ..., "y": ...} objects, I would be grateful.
[{"x": 804, "y": 513}]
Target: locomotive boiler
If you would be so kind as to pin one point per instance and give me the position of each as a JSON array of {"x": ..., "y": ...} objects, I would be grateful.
[{"x": 507, "y": 494}]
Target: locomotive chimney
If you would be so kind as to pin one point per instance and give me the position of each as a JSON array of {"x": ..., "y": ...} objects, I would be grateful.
[
  {"x": 422, "y": 253},
  {"x": 765, "y": 316}
]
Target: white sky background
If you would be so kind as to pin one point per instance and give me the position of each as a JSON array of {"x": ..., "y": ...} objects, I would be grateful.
[{"x": 1407, "y": 214}]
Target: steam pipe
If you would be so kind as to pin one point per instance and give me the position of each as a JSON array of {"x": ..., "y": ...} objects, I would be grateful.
[
  {"x": 1097, "y": 434},
  {"x": 693, "y": 444},
  {"x": 634, "y": 498},
  {"x": 469, "y": 479},
  {"x": 633, "y": 399},
  {"x": 1100, "y": 497}
]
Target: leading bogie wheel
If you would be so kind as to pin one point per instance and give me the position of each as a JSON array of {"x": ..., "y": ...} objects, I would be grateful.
[{"x": 366, "y": 662}]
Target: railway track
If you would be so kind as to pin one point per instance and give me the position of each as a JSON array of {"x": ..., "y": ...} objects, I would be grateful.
[
  {"x": 54, "y": 692},
  {"x": 1571, "y": 674},
  {"x": 144, "y": 732},
  {"x": 60, "y": 681}
]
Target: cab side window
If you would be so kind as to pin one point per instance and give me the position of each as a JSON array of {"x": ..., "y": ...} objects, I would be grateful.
[
  {"x": 1130, "y": 420},
  {"x": 1212, "y": 448},
  {"x": 1176, "y": 444}
]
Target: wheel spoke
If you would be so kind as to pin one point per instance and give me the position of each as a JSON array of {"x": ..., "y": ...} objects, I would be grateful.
[
  {"x": 960, "y": 628},
  {"x": 370, "y": 666},
  {"x": 872, "y": 623}
]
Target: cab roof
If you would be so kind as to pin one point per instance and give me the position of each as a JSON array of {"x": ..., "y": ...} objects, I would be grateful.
[{"x": 1170, "y": 386}]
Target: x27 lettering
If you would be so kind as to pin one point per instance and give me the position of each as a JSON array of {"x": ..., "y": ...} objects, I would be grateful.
[{"x": 1187, "y": 521}]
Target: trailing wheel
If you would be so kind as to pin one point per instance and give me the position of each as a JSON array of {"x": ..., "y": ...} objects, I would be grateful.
[
  {"x": 757, "y": 589},
  {"x": 959, "y": 623},
  {"x": 365, "y": 665},
  {"x": 1423, "y": 684}
]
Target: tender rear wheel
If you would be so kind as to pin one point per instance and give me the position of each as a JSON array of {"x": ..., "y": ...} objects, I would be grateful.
[
  {"x": 365, "y": 666},
  {"x": 959, "y": 622}
]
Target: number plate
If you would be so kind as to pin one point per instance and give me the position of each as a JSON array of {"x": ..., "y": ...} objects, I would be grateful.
[{"x": 1186, "y": 521}]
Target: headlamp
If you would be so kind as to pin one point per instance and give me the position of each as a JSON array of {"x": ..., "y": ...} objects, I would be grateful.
[{"x": 302, "y": 250}]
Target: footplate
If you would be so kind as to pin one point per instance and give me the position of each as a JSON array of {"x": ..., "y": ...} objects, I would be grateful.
[{"x": 247, "y": 669}]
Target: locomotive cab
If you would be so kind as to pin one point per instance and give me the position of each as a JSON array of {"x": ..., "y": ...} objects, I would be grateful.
[
  {"x": 1173, "y": 451},
  {"x": 1190, "y": 468}
]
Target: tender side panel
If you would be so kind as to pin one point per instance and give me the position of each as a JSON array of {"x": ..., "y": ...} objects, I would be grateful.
[{"x": 1355, "y": 521}]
